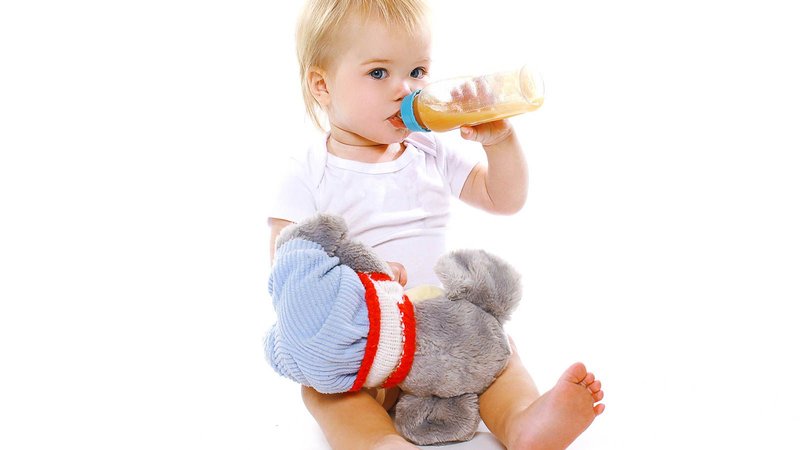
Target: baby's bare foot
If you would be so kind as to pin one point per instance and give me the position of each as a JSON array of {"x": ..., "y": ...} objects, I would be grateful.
[{"x": 559, "y": 416}]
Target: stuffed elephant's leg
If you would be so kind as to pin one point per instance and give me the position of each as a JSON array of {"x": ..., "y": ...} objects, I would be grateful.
[
  {"x": 435, "y": 420},
  {"x": 482, "y": 279}
]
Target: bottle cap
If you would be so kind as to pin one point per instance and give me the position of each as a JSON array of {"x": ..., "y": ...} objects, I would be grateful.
[{"x": 407, "y": 113}]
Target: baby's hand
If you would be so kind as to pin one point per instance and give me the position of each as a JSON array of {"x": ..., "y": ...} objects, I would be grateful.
[
  {"x": 398, "y": 272},
  {"x": 488, "y": 133},
  {"x": 473, "y": 94},
  {"x": 477, "y": 94}
]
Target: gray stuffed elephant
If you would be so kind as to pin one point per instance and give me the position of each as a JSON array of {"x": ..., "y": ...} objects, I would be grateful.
[{"x": 343, "y": 325}]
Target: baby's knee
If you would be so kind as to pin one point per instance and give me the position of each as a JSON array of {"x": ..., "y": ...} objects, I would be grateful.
[
  {"x": 393, "y": 442},
  {"x": 310, "y": 396}
]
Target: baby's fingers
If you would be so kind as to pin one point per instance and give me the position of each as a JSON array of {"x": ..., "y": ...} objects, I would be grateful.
[
  {"x": 469, "y": 133},
  {"x": 398, "y": 272}
]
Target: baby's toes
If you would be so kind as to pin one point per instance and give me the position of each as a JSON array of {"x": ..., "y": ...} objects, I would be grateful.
[
  {"x": 594, "y": 386},
  {"x": 597, "y": 396},
  {"x": 575, "y": 374}
]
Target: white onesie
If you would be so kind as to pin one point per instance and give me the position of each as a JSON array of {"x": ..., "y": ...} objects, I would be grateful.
[{"x": 400, "y": 208}]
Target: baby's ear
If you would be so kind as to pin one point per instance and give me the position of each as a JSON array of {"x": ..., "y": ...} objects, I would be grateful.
[
  {"x": 315, "y": 78},
  {"x": 327, "y": 230}
]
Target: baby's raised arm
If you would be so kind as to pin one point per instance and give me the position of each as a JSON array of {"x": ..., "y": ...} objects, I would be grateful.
[{"x": 501, "y": 186}]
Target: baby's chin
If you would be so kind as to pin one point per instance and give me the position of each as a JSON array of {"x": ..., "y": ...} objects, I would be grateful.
[
  {"x": 386, "y": 137},
  {"x": 396, "y": 135},
  {"x": 402, "y": 135},
  {"x": 381, "y": 136}
]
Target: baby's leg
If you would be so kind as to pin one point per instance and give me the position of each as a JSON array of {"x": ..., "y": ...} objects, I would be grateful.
[
  {"x": 353, "y": 421},
  {"x": 521, "y": 418}
]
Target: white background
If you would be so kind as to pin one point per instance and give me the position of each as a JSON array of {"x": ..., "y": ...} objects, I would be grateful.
[{"x": 659, "y": 243}]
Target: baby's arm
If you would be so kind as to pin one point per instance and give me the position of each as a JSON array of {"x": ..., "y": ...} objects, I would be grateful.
[
  {"x": 276, "y": 225},
  {"x": 501, "y": 186}
]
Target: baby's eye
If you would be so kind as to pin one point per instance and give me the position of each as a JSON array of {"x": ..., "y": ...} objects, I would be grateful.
[
  {"x": 379, "y": 74},
  {"x": 419, "y": 72}
]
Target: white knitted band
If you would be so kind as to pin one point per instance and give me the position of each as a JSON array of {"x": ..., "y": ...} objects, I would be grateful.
[{"x": 390, "y": 345}]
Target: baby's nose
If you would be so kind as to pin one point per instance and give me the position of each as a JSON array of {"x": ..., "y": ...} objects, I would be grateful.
[{"x": 406, "y": 87}]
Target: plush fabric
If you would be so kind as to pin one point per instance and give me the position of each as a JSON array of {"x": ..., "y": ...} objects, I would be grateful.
[{"x": 449, "y": 352}]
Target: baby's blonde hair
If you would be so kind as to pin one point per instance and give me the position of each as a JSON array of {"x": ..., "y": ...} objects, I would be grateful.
[{"x": 319, "y": 27}]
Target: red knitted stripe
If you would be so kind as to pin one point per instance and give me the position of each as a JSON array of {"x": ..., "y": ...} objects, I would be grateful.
[
  {"x": 373, "y": 336},
  {"x": 409, "y": 344},
  {"x": 379, "y": 276}
]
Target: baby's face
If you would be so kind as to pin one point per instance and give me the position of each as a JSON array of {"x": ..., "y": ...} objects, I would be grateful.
[{"x": 376, "y": 67}]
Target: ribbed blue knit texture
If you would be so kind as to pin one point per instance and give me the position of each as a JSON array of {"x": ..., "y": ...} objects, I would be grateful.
[{"x": 322, "y": 322}]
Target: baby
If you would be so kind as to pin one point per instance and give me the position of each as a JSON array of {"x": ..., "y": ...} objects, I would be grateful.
[{"x": 358, "y": 59}]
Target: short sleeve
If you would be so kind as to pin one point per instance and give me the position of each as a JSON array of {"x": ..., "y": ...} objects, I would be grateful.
[
  {"x": 456, "y": 159},
  {"x": 292, "y": 195}
]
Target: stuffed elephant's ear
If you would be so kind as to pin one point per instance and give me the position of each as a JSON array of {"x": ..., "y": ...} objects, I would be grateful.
[{"x": 327, "y": 230}]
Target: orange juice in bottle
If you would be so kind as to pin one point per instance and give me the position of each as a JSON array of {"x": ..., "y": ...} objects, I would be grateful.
[{"x": 449, "y": 104}]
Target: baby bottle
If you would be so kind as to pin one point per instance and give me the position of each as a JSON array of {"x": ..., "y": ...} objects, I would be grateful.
[{"x": 448, "y": 104}]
